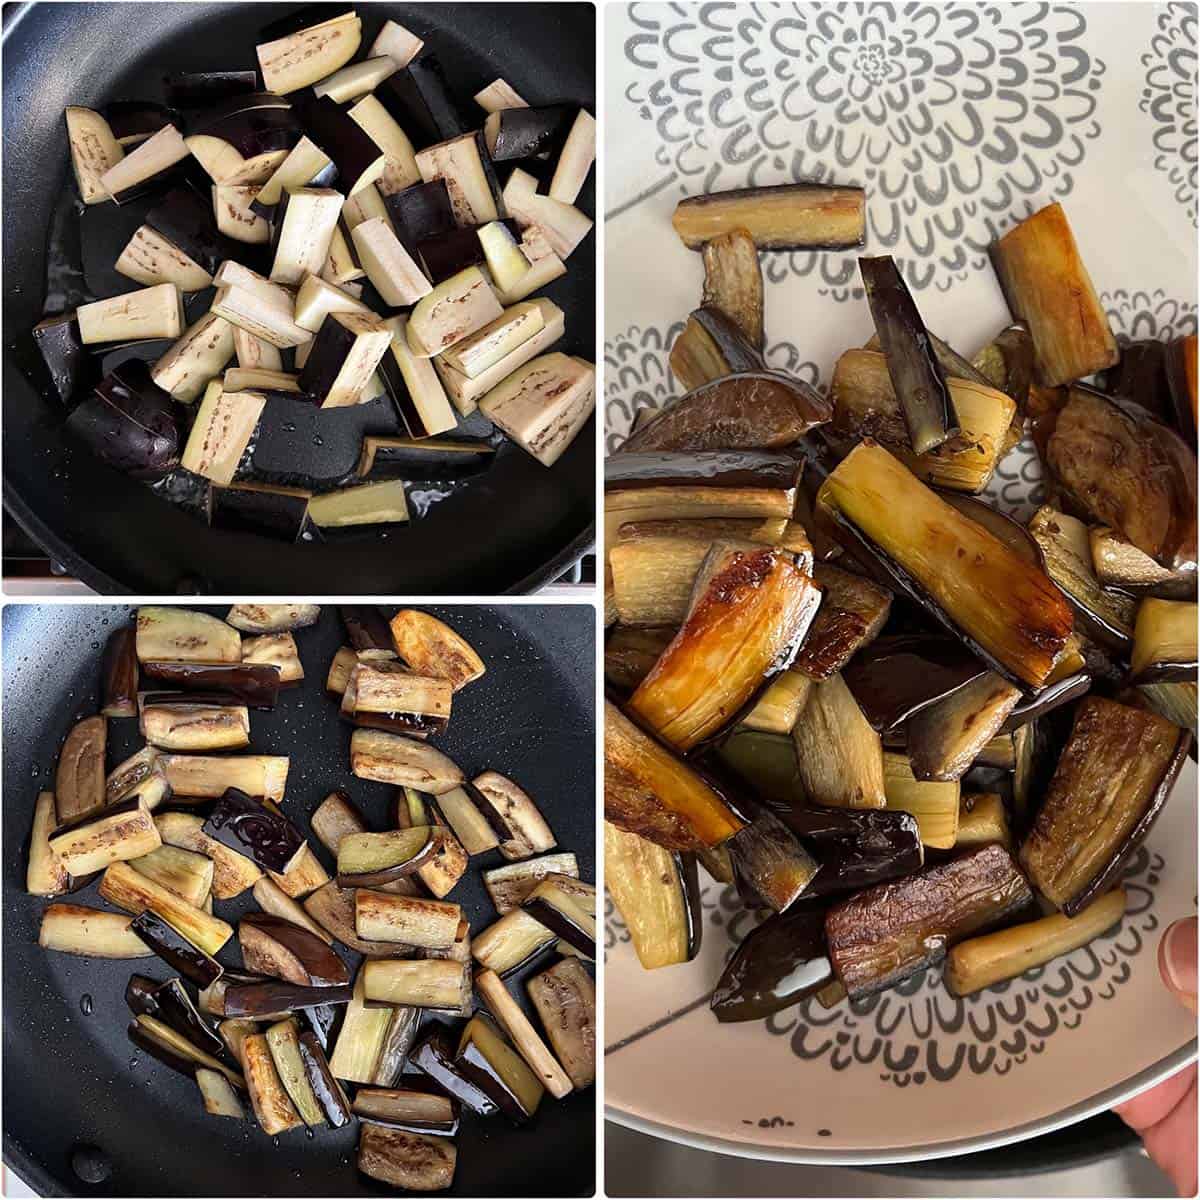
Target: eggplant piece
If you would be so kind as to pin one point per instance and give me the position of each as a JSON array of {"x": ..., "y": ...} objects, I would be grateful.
[
  {"x": 171, "y": 1048},
  {"x": 456, "y": 308},
  {"x": 882, "y": 936},
  {"x": 710, "y": 347},
  {"x": 461, "y": 162},
  {"x": 399, "y": 44},
  {"x": 777, "y": 964},
  {"x": 210, "y": 776},
  {"x": 344, "y": 661},
  {"x": 412, "y": 384},
  {"x": 657, "y": 894},
  {"x": 982, "y": 818},
  {"x": 277, "y": 947},
  {"x": 469, "y": 825},
  {"x": 277, "y": 650},
  {"x": 171, "y": 1004},
  {"x": 366, "y": 504},
  {"x": 125, "y": 887},
  {"x": 233, "y": 873},
  {"x": 218, "y": 1095},
  {"x": 272, "y": 899},
  {"x": 444, "y": 255},
  {"x": 300, "y": 57},
  {"x": 545, "y": 269},
  {"x": 79, "y": 787},
  {"x": 934, "y": 804},
  {"x": 367, "y": 630},
  {"x": 1140, "y": 376},
  {"x": 94, "y": 152},
  {"x": 1113, "y": 778},
  {"x": 926, "y": 402},
  {"x": 402, "y": 1159},
  {"x": 305, "y": 876},
  {"x": 648, "y": 791},
  {"x": 146, "y": 167},
  {"x": 432, "y": 647},
  {"x": 177, "y": 951},
  {"x": 391, "y": 268},
  {"x": 272, "y": 618},
  {"x": 355, "y": 80},
  {"x": 559, "y": 909},
  {"x": 89, "y": 932},
  {"x": 1174, "y": 701},
  {"x": 1047, "y": 286},
  {"x": 306, "y": 165},
  {"x": 853, "y": 612},
  {"x": 1119, "y": 564},
  {"x": 508, "y": 886},
  {"x": 770, "y": 867},
  {"x": 505, "y": 260},
  {"x": 186, "y": 220},
  {"x": 944, "y": 739},
  {"x": 258, "y": 508},
  {"x": 419, "y": 99},
  {"x": 514, "y": 816},
  {"x": 358, "y": 160},
  {"x": 435, "y": 1056},
  {"x": 418, "y": 458},
  {"x": 499, "y": 94},
  {"x": 233, "y": 208},
  {"x": 1164, "y": 643},
  {"x": 265, "y": 999},
  {"x": 283, "y": 1042},
  {"x": 1181, "y": 369},
  {"x": 949, "y": 565},
  {"x": 58, "y": 342},
  {"x": 574, "y": 160},
  {"x": 629, "y": 653},
  {"x": 195, "y": 358},
  {"x": 980, "y": 962},
  {"x": 388, "y": 758},
  {"x": 45, "y": 874},
  {"x": 429, "y": 983},
  {"x": 733, "y": 282},
  {"x": 253, "y": 686},
  {"x": 698, "y": 684},
  {"x": 562, "y": 226},
  {"x": 511, "y": 942},
  {"x": 508, "y": 1015},
  {"x": 334, "y": 818},
  {"x": 1007, "y": 363},
  {"x": 329, "y": 1094},
  {"x": 244, "y": 824},
  {"x": 225, "y": 422},
  {"x": 368, "y": 860},
  {"x": 195, "y": 726},
  {"x": 303, "y": 231},
  {"x": 133, "y": 121},
  {"x": 779, "y": 706},
  {"x": 794, "y": 216},
  {"x": 316, "y": 299},
  {"x": 485, "y": 1059},
  {"x": 345, "y": 353},
  {"x": 413, "y": 920},
  {"x": 416, "y": 1112},
  {"x": 273, "y": 1107},
  {"x": 120, "y": 674},
  {"x": 140, "y": 775},
  {"x": 421, "y": 212},
  {"x": 203, "y": 89},
  {"x": 361, "y": 1039},
  {"x": 332, "y": 907},
  {"x": 149, "y": 259},
  {"x": 517, "y": 133},
  {"x": 565, "y": 999},
  {"x": 187, "y": 873},
  {"x": 234, "y": 1032}
]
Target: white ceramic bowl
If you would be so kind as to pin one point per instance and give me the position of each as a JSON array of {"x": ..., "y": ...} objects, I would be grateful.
[{"x": 959, "y": 119}]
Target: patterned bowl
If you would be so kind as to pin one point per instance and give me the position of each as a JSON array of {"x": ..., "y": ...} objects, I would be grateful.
[{"x": 959, "y": 119}]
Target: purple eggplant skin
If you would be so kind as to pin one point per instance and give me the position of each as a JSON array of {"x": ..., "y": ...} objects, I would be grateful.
[
  {"x": 434, "y": 1056},
  {"x": 278, "y": 996},
  {"x": 397, "y": 392},
  {"x": 446, "y": 254},
  {"x": 472, "y": 1064},
  {"x": 343, "y": 139},
  {"x": 1140, "y": 376},
  {"x": 421, "y": 211},
  {"x": 319, "y": 959},
  {"x": 560, "y": 923},
  {"x": 493, "y": 180},
  {"x": 243, "y": 823},
  {"x": 253, "y": 125},
  {"x": 912, "y": 363},
  {"x": 1062, "y": 692},
  {"x": 778, "y": 964},
  {"x": 304, "y": 18},
  {"x": 213, "y": 699},
  {"x": 177, "y": 1062},
  {"x": 66, "y": 358},
  {"x": 137, "y": 118},
  {"x": 254, "y": 685},
  {"x": 185, "y": 219},
  {"x": 171, "y": 1004},
  {"x": 367, "y": 630},
  {"x": 120, "y": 673},
  {"x": 707, "y": 468},
  {"x": 269, "y": 512},
  {"x": 176, "y": 951},
  {"x": 320, "y": 1021},
  {"x": 527, "y": 132},
  {"x": 130, "y": 423},
  {"x": 771, "y": 869},
  {"x": 146, "y": 350},
  {"x": 418, "y": 98},
  {"x": 203, "y": 89},
  {"x": 330, "y": 1094},
  {"x": 330, "y": 348}
]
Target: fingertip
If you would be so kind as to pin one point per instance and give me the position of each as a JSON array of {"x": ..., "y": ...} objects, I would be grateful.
[{"x": 1177, "y": 960}]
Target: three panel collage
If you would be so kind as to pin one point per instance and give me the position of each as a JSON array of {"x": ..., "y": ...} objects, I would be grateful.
[{"x": 599, "y": 599}]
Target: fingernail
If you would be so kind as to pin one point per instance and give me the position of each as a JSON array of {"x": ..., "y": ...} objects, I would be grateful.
[{"x": 1178, "y": 956}]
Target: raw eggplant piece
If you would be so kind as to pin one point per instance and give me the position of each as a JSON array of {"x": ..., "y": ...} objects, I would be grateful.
[
  {"x": 345, "y": 353},
  {"x": 444, "y": 255},
  {"x": 412, "y": 384},
  {"x": 436, "y": 984},
  {"x": 541, "y": 274},
  {"x": 733, "y": 283},
  {"x": 421, "y": 212},
  {"x": 306, "y": 165},
  {"x": 270, "y": 998},
  {"x": 486, "y": 1059},
  {"x": 435, "y": 1056},
  {"x": 562, "y": 226},
  {"x": 499, "y": 94},
  {"x": 367, "y": 504},
  {"x": 203, "y": 89},
  {"x": 191, "y": 363},
  {"x": 934, "y": 804},
  {"x": 511, "y": 942},
  {"x": 777, "y": 964},
  {"x": 125, "y": 887},
  {"x": 794, "y": 216},
  {"x": 277, "y": 512},
  {"x": 419, "y": 99},
  {"x": 291, "y": 60},
  {"x": 146, "y": 167},
  {"x": 924, "y": 398},
  {"x": 59, "y": 344},
  {"x": 94, "y": 152},
  {"x": 150, "y": 259},
  {"x": 170, "y": 1047},
  {"x": 1047, "y": 286},
  {"x": 358, "y": 160},
  {"x": 246, "y": 825},
  {"x": 149, "y": 312},
  {"x": 853, "y": 611},
  {"x": 944, "y": 739},
  {"x": 399, "y": 44},
  {"x": 710, "y": 347},
  {"x": 413, "y": 920},
  {"x": 332, "y": 908},
  {"x": 233, "y": 208},
  {"x": 186, "y": 220},
  {"x": 517, "y": 133},
  {"x": 401, "y": 1159},
  {"x": 949, "y": 565},
  {"x": 355, "y": 80},
  {"x": 367, "y": 860},
  {"x": 462, "y": 162},
  {"x": 512, "y": 813},
  {"x": 257, "y": 315},
  {"x": 302, "y": 233},
  {"x": 120, "y": 674},
  {"x": 45, "y": 873},
  {"x": 133, "y": 121},
  {"x": 1113, "y": 777},
  {"x": 328, "y": 1091},
  {"x": 368, "y": 632},
  {"x": 570, "y": 916},
  {"x": 247, "y": 684},
  {"x": 209, "y": 777},
  {"x": 79, "y": 787},
  {"x": 459, "y": 306},
  {"x": 564, "y": 996},
  {"x": 769, "y": 865},
  {"x": 89, "y": 932},
  {"x": 225, "y": 422},
  {"x": 177, "y": 951},
  {"x": 413, "y": 1111},
  {"x": 391, "y": 269},
  {"x": 1164, "y": 643},
  {"x": 387, "y": 758},
  {"x": 574, "y": 160},
  {"x": 881, "y": 936}
]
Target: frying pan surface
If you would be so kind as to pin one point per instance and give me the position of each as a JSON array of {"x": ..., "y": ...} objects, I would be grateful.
[
  {"x": 512, "y": 528},
  {"x": 72, "y": 1078}
]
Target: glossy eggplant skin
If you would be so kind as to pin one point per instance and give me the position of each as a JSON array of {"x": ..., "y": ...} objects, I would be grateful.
[
  {"x": 421, "y": 211},
  {"x": 770, "y": 867},
  {"x": 120, "y": 674},
  {"x": 753, "y": 410},
  {"x": 202, "y": 89},
  {"x": 435, "y": 1056},
  {"x": 330, "y": 1094},
  {"x": 1065, "y": 691},
  {"x": 271, "y": 512},
  {"x": 527, "y": 132},
  {"x": 251, "y": 684},
  {"x": 65, "y": 356},
  {"x": 185, "y": 219},
  {"x": 778, "y": 964},
  {"x": 177, "y": 1062},
  {"x": 175, "y": 950},
  {"x": 279, "y": 996},
  {"x": 713, "y": 468},
  {"x": 880, "y": 937},
  {"x": 419, "y": 99},
  {"x": 710, "y": 347},
  {"x": 445, "y": 254},
  {"x": 171, "y": 1005},
  {"x": 342, "y": 138},
  {"x": 130, "y": 423},
  {"x": 244, "y": 824},
  {"x": 367, "y": 630}
]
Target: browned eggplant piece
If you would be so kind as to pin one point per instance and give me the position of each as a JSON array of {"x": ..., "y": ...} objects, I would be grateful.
[
  {"x": 120, "y": 674},
  {"x": 172, "y": 1005},
  {"x": 415, "y": 1162},
  {"x": 1007, "y": 363},
  {"x": 793, "y": 216},
  {"x": 334, "y": 818},
  {"x": 750, "y": 612},
  {"x": 733, "y": 282},
  {"x": 520, "y": 1031},
  {"x": 853, "y": 611},
  {"x": 1127, "y": 471},
  {"x": 838, "y": 756},
  {"x": 1000, "y": 525},
  {"x": 95, "y": 840},
  {"x": 630, "y": 653},
  {"x": 485, "y": 1059},
  {"x": 648, "y": 791},
  {"x": 1181, "y": 366},
  {"x": 1164, "y": 643},
  {"x": 564, "y": 996},
  {"x": 274, "y": 996},
  {"x": 435, "y": 1056},
  {"x": 161, "y": 1041},
  {"x": 275, "y": 947},
  {"x": 514, "y": 816},
  {"x": 1047, "y": 286},
  {"x": 332, "y": 907},
  {"x": 776, "y": 965},
  {"x": 925, "y": 400},
  {"x": 246, "y": 683},
  {"x": 431, "y": 647},
  {"x": 571, "y": 917},
  {"x": 79, "y": 775},
  {"x": 755, "y": 410},
  {"x": 403, "y": 1108},
  {"x": 273, "y": 1108},
  {"x": 413, "y": 920},
  {"x": 944, "y": 739},
  {"x": 243, "y": 823},
  {"x": 1112, "y": 780},
  {"x": 770, "y": 867},
  {"x": 880, "y": 937},
  {"x": 176, "y": 950},
  {"x": 508, "y": 886},
  {"x": 367, "y": 631},
  {"x": 45, "y": 873},
  {"x": 1007, "y": 611},
  {"x": 710, "y": 347}
]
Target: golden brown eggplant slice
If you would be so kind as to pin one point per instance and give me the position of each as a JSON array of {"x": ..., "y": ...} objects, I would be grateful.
[
  {"x": 792, "y": 216},
  {"x": 982, "y": 818},
  {"x": 934, "y": 804},
  {"x": 839, "y": 757},
  {"x": 564, "y": 996},
  {"x": 1164, "y": 642},
  {"x": 733, "y": 282},
  {"x": 944, "y": 739},
  {"x": 853, "y": 612}
]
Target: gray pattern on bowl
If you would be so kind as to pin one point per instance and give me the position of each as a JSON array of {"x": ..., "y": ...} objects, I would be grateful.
[{"x": 1169, "y": 99}]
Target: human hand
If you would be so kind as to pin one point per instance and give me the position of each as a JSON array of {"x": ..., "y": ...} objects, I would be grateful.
[{"x": 1165, "y": 1115}]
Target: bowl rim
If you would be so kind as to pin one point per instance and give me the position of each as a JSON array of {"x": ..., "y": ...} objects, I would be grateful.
[{"x": 809, "y": 1156}]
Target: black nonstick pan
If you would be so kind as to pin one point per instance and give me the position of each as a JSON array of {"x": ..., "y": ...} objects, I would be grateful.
[
  {"x": 71, "y": 1078},
  {"x": 510, "y": 529}
]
